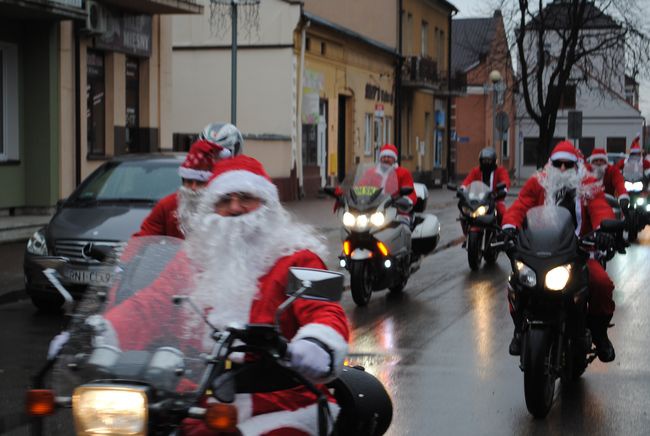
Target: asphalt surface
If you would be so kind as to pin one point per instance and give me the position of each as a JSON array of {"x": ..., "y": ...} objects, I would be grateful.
[{"x": 440, "y": 348}]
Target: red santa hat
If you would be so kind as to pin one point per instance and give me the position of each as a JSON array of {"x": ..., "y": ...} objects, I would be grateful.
[
  {"x": 199, "y": 161},
  {"x": 597, "y": 153},
  {"x": 636, "y": 145},
  {"x": 564, "y": 150},
  {"x": 242, "y": 174},
  {"x": 388, "y": 150}
]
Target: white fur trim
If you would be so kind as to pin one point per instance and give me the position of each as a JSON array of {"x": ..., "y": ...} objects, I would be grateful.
[
  {"x": 578, "y": 215},
  {"x": 508, "y": 226},
  {"x": 330, "y": 337},
  {"x": 304, "y": 419},
  {"x": 623, "y": 197},
  {"x": 192, "y": 174},
  {"x": 593, "y": 157},
  {"x": 564, "y": 155},
  {"x": 243, "y": 181},
  {"x": 647, "y": 172},
  {"x": 389, "y": 153}
]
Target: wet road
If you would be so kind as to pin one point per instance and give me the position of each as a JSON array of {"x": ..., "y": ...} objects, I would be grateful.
[{"x": 441, "y": 350}]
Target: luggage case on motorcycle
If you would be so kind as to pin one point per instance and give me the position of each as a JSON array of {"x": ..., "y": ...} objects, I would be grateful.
[
  {"x": 422, "y": 194},
  {"x": 426, "y": 233}
]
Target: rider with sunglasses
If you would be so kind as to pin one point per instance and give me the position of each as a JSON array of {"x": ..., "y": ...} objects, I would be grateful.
[{"x": 565, "y": 182}]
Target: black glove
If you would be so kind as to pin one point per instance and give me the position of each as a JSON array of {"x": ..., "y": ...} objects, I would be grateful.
[
  {"x": 509, "y": 233},
  {"x": 604, "y": 241},
  {"x": 625, "y": 204}
]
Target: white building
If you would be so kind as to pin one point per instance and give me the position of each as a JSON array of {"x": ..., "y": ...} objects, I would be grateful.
[{"x": 607, "y": 99}]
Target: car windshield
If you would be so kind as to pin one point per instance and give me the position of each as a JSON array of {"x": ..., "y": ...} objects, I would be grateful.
[{"x": 140, "y": 180}]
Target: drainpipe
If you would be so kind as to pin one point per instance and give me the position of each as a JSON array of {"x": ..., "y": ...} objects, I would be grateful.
[
  {"x": 398, "y": 85},
  {"x": 303, "y": 36}
]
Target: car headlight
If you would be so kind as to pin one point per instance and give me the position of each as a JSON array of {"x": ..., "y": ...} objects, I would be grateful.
[
  {"x": 377, "y": 219},
  {"x": 362, "y": 221},
  {"x": 557, "y": 278},
  {"x": 634, "y": 186},
  {"x": 36, "y": 244},
  {"x": 115, "y": 410},
  {"x": 527, "y": 276},
  {"x": 481, "y": 210},
  {"x": 349, "y": 220}
]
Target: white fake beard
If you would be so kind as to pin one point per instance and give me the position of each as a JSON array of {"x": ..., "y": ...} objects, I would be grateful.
[
  {"x": 235, "y": 252},
  {"x": 554, "y": 180},
  {"x": 598, "y": 171},
  {"x": 188, "y": 205}
]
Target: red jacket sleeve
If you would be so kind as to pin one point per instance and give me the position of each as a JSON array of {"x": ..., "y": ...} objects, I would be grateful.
[
  {"x": 405, "y": 179},
  {"x": 599, "y": 209},
  {"x": 162, "y": 220},
  {"x": 473, "y": 176},
  {"x": 529, "y": 197},
  {"x": 646, "y": 168},
  {"x": 615, "y": 178},
  {"x": 501, "y": 176}
]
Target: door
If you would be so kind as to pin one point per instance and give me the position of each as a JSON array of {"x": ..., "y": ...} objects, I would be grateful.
[
  {"x": 341, "y": 148},
  {"x": 322, "y": 142}
]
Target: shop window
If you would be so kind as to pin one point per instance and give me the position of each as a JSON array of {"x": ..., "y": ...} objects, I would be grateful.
[
  {"x": 8, "y": 102},
  {"x": 424, "y": 39},
  {"x": 96, "y": 104},
  {"x": 616, "y": 145},
  {"x": 308, "y": 44},
  {"x": 322, "y": 48},
  {"x": 132, "y": 106},
  {"x": 367, "y": 146}
]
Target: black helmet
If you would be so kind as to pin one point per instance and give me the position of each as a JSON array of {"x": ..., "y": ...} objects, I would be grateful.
[
  {"x": 488, "y": 159},
  {"x": 226, "y": 136}
]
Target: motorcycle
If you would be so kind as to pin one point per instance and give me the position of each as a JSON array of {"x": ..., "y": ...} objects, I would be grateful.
[
  {"x": 115, "y": 387},
  {"x": 635, "y": 184},
  {"x": 476, "y": 201},
  {"x": 382, "y": 244},
  {"x": 549, "y": 290}
]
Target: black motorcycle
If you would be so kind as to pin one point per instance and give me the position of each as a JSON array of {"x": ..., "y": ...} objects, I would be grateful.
[
  {"x": 636, "y": 186},
  {"x": 549, "y": 290},
  {"x": 154, "y": 388},
  {"x": 476, "y": 201}
]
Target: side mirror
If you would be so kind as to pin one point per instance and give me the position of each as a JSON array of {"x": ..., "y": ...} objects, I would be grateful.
[
  {"x": 405, "y": 190},
  {"x": 330, "y": 190},
  {"x": 612, "y": 226},
  {"x": 315, "y": 284},
  {"x": 403, "y": 204}
]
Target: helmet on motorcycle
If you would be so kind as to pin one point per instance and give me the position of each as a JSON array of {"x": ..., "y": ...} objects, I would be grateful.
[
  {"x": 487, "y": 159},
  {"x": 226, "y": 136}
]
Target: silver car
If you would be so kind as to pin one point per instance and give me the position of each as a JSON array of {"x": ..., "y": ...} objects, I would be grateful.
[{"x": 104, "y": 211}]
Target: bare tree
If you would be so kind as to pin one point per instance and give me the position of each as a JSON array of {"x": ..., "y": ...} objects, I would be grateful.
[{"x": 568, "y": 42}]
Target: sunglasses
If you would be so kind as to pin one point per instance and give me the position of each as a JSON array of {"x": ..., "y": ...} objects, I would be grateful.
[{"x": 568, "y": 164}]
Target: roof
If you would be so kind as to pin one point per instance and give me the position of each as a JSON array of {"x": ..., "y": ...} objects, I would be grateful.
[
  {"x": 471, "y": 40},
  {"x": 557, "y": 16}
]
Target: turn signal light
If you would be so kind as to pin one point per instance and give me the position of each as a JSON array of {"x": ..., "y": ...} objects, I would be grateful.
[
  {"x": 382, "y": 248},
  {"x": 221, "y": 417},
  {"x": 40, "y": 402},
  {"x": 346, "y": 248}
]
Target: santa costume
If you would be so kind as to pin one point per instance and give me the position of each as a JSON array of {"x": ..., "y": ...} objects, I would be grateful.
[
  {"x": 244, "y": 264},
  {"x": 170, "y": 211},
  {"x": 636, "y": 154},
  {"x": 610, "y": 177},
  {"x": 498, "y": 175},
  {"x": 404, "y": 177}
]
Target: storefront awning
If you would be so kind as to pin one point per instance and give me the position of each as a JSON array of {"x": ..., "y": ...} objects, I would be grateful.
[
  {"x": 43, "y": 9},
  {"x": 157, "y": 6}
]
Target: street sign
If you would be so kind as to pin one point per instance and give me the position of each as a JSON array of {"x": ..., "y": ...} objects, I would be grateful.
[
  {"x": 574, "y": 129},
  {"x": 379, "y": 110}
]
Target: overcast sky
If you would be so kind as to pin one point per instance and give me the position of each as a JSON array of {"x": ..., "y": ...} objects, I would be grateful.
[{"x": 474, "y": 8}]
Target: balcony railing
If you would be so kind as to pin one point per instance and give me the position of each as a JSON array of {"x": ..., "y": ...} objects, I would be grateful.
[{"x": 420, "y": 70}]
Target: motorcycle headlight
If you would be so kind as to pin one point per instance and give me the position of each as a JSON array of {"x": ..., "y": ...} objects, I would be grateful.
[
  {"x": 481, "y": 210},
  {"x": 557, "y": 278},
  {"x": 362, "y": 221},
  {"x": 527, "y": 276},
  {"x": 634, "y": 186},
  {"x": 349, "y": 220},
  {"x": 115, "y": 410},
  {"x": 36, "y": 244},
  {"x": 640, "y": 201},
  {"x": 377, "y": 219}
]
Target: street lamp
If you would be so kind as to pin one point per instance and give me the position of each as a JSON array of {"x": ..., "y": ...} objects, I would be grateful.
[{"x": 495, "y": 78}]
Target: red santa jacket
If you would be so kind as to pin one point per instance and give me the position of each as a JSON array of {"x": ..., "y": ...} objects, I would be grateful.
[
  {"x": 405, "y": 178},
  {"x": 500, "y": 175},
  {"x": 613, "y": 181},
  {"x": 135, "y": 323},
  {"x": 589, "y": 211},
  {"x": 163, "y": 219}
]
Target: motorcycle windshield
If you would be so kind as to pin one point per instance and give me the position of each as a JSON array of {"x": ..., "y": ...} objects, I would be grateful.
[
  {"x": 547, "y": 230},
  {"x": 633, "y": 170},
  {"x": 141, "y": 327},
  {"x": 477, "y": 191},
  {"x": 370, "y": 184}
]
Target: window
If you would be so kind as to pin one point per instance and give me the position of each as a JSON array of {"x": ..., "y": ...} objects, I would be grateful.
[
  {"x": 424, "y": 39},
  {"x": 616, "y": 145},
  {"x": 441, "y": 48},
  {"x": 132, "y": 104},
  {"x": 8, "y": 102},
  {"x": 367, "y": 147},
  {"x": 587, "y": 145},
  {"x": 530, "y": 151},
  {"x": 437, "y": 152},
  {"x": 427, "y": 132},
  {"x": 388, "y": 130},
  {"x": 409, "y": 34},
  {"x": 96, "y": 104},
  {"x": 505, "y": 148}
]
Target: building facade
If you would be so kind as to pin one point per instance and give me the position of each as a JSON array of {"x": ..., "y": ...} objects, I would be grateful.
[{"x": 84, "y": 81}]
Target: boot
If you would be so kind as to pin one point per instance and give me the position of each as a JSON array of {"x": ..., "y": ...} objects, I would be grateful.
[
  {"x": 515, "y": 344},
  {"x": 598, "y": 325}
]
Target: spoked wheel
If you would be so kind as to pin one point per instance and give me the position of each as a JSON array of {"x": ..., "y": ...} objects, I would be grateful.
[
  {"x": 361, "y": 283},
  {"x": 474, "y": 240},
  {"x": 539, "y": 380},
  {"x": 489, "y": 254}
]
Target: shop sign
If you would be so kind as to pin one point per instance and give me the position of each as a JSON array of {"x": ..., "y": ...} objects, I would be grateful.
[
  {"x": 70, "y": 3},
  {"x": 379, "y": 110},
  {"x": 130, "y": 34},
  {"x": 374, "y": 92}
]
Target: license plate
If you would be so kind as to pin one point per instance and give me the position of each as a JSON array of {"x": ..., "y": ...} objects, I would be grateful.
[{"x": 95, "y": 276}]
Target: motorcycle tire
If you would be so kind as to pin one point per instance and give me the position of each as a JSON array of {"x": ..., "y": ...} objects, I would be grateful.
[
  {"x": 474, "y": 240},
  {"x": 539, "y": 382},
  {"x": 489, "y": 254},
  {"x": 399, "y": 288},
  {"x": 360, "y": 283}
]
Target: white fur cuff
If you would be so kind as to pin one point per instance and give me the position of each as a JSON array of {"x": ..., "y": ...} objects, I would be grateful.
[
  {"x": 330, "y": 337},
  {"x": 623, "y": 197}
]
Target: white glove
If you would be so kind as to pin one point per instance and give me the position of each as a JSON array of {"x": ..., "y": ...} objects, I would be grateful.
[
  {"x": 57, "y": 343},
  {"x": 309, "y": 359}
]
